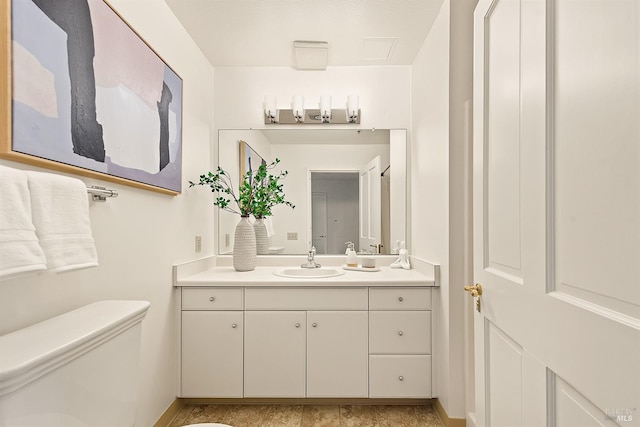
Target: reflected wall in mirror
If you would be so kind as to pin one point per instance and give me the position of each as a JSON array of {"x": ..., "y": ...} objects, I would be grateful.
[{"x": 346, "y": 184}]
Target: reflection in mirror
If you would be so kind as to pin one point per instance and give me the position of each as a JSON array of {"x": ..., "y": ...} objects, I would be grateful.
[{"x": 346, "y": 184}]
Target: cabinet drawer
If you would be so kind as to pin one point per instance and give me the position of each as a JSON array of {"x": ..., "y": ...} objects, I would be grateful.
[
  {"x": 400, "y": 376},
  {"x": 305, "y": 299},
  {"x": 211, "y": 299},
  {"x": 400, "y": 332},
  {"x": 399, "y": 299}
]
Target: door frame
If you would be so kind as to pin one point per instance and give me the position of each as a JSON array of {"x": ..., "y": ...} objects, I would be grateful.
[{"x": 326, "y": 222}]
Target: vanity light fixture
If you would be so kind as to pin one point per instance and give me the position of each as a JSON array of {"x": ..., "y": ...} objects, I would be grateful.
[
  {"x": 353, "y": 108},
  {"x": 323, "y": 114},
  {"x": 298, "y": 108},
  {"x": 270, "y": 111},
  {"x": 325, "y": 108}
]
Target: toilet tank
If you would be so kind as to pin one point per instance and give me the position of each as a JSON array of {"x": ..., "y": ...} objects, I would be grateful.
[{"x": 76, "y": 369}]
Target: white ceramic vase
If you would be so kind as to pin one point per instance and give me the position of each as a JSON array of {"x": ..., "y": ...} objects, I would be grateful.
[
  {"x": 262, "y": 240},
  {"x": 244, "y": 246}
]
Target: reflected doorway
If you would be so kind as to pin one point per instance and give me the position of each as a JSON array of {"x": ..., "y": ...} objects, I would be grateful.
[{"x": 334, "y": 210}]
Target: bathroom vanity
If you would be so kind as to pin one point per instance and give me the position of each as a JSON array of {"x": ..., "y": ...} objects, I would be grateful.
[{"x": 257, "y": 335}]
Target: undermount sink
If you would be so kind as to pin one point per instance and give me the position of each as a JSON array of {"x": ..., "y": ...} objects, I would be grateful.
[{"x": 309, "y": 273}]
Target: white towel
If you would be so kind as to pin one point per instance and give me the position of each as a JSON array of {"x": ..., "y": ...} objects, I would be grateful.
[
  {"x": 268, "y": 223},
  {"x": 20, "y": 252},
  {"x": 60, "y": 209}
]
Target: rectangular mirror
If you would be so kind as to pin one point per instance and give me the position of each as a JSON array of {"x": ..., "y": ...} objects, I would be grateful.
[{"x": 346, "y": 184}]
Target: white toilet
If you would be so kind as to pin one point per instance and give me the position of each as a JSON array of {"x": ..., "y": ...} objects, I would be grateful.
[{"x": 76, "y": 369}]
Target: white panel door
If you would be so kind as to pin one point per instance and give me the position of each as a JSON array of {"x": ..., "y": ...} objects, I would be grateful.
[
  {"x": 274, "y": 357},
  {"x": 371, "y": 205},
  {"x": 337, "y": 354},
  {"x": 557, "y": 212}
]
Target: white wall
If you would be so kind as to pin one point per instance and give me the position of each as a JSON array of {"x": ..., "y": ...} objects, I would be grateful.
[
  {"x": 384, "y": 94},
  {"x": 440, "y": 209},
  {"x": 140, "y": 234},
  {"x": 430, "y": 180}
]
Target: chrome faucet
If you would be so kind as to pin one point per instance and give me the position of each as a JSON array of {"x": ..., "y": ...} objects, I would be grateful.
[{"x": 311, "y": 263}]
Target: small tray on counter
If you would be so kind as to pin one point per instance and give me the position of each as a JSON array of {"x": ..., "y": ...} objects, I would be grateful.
[{"x": 360, "y": 268}]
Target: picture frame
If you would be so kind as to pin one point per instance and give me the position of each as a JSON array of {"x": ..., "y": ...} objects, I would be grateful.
[
  {"x": 85, "y": 94},
  {"x": 249, "y": 159}
]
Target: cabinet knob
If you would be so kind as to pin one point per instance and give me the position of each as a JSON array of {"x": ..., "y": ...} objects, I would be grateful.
[
  {"x": 400, "y": 333},
  {"x": 234, "y": 325},
  {"x": 314, "y": 324},
  {"x": 297, "y": 325},
  {"x": 400, "y": 299},
  {"x": 401, "y": 378},
  {"x": 212, "y": 299}
]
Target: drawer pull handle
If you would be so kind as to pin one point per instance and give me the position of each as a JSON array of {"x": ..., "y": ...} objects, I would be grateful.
[
  {"x": 400, "y": 333},
  {"x": 234, "y": 326},
  {"x": 400, "y": 299},
  {"x": 297, "y": 325},
  {"x": 314, "y": 324},
  {"x": 212, "y": 299},
  {"x": 401, "y": 378}
]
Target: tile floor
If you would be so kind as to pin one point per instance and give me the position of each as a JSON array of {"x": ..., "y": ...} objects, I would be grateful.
[{"x": 308, "y": 415}]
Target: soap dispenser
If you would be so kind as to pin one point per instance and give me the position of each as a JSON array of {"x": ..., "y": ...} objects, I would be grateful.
[{"x": 352, "y": 258}]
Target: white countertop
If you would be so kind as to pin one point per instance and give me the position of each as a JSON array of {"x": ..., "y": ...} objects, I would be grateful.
[{"x": 264, "y": 276}]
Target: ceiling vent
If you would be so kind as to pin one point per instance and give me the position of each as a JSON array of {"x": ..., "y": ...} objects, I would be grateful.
[
  {"x": 378, "y": 48},
  {"x": 311, "y": 55}
]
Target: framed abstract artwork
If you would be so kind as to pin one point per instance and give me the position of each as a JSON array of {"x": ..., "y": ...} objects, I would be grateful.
[
  {"x": 249, "y": 159},
  {"x": 84, "y": 94}
]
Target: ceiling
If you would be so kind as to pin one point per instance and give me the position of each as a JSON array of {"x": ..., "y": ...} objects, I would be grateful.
[{"x": 260, "y": 33}]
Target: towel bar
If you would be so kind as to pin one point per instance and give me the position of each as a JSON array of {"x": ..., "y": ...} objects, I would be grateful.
[{"x": 100, "y": 194}]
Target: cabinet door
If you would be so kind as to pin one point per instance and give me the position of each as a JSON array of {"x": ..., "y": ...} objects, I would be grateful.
[
  {"x": 275, "y": 353},
  {"x": 211, "y": 354},
  {"x": 337, "y": 354}
]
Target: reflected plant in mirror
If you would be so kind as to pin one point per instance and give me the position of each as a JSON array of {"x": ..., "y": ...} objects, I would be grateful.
[
  {"x": 268, "y": 191},
  {"x": 267, "y": 194}
]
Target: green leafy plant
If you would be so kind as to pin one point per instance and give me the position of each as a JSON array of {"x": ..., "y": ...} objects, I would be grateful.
[
  {"x": 268, "y": 191},
  {"x": 257, "y": 194}
]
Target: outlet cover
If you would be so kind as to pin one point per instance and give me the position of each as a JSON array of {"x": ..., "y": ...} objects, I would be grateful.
[
  {"x": 198, "y": 243},
  {"x": 292, "y": 236}
]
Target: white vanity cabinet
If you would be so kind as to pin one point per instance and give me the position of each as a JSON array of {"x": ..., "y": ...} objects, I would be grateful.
[
  {"x": 400, "y": 342},
  {"x": 314, "y": 342},
  {"x": 212, "y": 342},
  {"x": 317, "y": 349}
]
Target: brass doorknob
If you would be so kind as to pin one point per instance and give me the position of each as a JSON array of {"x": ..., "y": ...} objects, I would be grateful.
[{"x": 476, "y": 290}]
